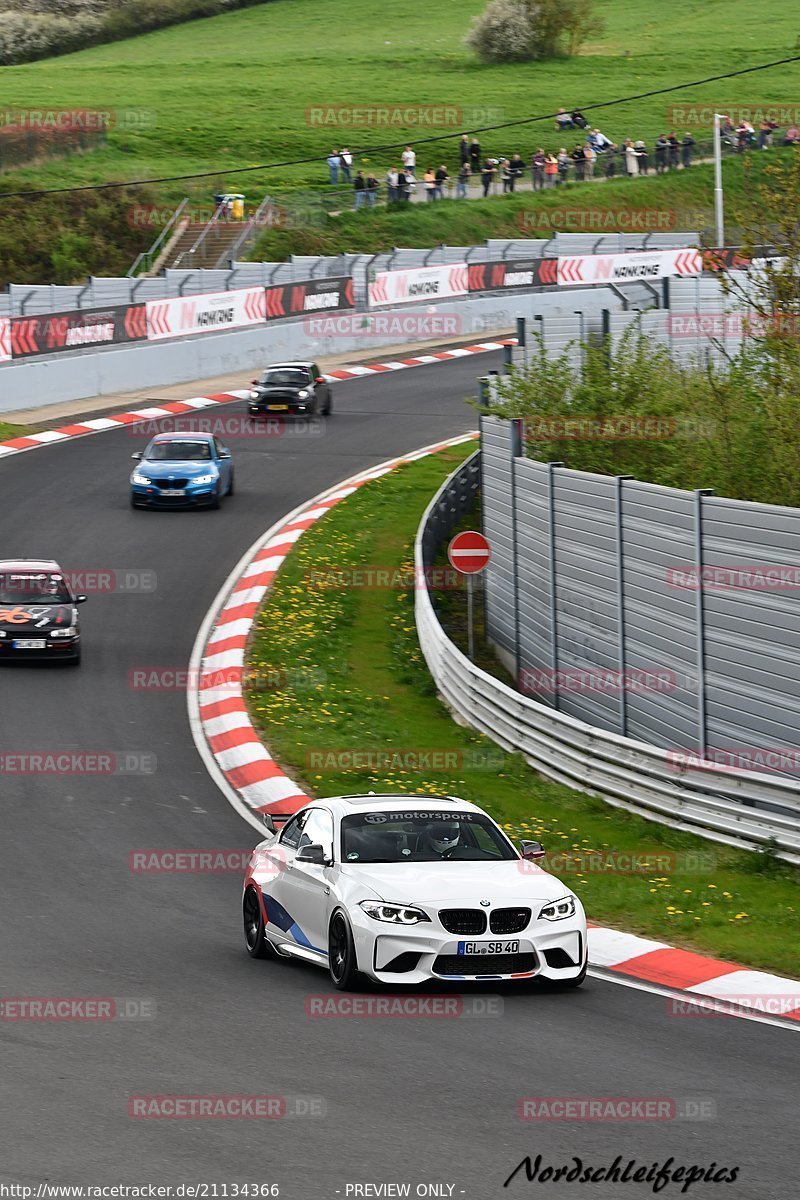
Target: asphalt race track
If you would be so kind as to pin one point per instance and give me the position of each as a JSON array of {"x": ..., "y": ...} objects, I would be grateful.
[{"x": 407, "y": 1100}]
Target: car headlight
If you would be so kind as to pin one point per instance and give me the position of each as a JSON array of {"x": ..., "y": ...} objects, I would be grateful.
[
  {"x": 71, "y": 631},
  {"x": 393, "y": 914},
  {"x": 302, "y": 395},
  {"x": 201, "y": 479},
  {"x": 137, "y": 477},
  {"x": 559, "y": 909}
]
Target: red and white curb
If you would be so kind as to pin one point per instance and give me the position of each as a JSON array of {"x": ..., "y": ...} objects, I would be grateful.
[
  {"x": 78, "y": 429},
  {"x": 227, "y": 741},
  {"x": 254, "y": 783}
]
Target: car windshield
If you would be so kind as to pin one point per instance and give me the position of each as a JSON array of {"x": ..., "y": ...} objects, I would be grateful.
[
  {"x": 177, "y": 451},
  {"x": 33, "y": 588},
  {"x": 285, "y": 377},
  {"x": 422, "y": 836}
]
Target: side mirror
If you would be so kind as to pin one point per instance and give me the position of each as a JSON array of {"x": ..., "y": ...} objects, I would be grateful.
[
  {"x": 137, "y": 455},
  {"x": 254, "y": 383},
  {"x": 533, "y": 851},
  {"x": 311, "y": 854},
  {"x": 267, "y": 822},
  {"x": 80, "y": 599},
  {"x": 225, "y": 454}
]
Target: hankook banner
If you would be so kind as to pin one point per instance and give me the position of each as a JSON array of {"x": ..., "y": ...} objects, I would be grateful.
[
  {"x": 419, "y": 284},
  {"x": 586, "y": 269},
  {"x": 77, "y": 329},
  {"x": 209, "y": 312}
]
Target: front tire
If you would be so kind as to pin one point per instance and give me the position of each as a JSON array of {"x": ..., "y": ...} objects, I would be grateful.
[
  {"x": 230, "y": 485},
  {"x": 342, "y": 953},
  {"x": 253, "y": 918},
  {"x": 215, "y": 500}
]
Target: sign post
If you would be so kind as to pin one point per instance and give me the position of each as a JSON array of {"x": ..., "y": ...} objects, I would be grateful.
[{"x": 469, "y": 554}]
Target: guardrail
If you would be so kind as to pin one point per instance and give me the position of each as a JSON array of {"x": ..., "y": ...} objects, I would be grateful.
[{"x": 737, "y": 808}]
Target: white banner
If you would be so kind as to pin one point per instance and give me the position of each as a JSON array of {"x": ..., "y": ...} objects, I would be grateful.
[
  {"x": 419, "y": 284},
  {"x": 5, "y": 339},
  {"x": 583, "y": 269},
  {"x": 208, "y": 313}
]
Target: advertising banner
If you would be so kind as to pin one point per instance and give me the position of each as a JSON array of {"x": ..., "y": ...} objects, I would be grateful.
[
  {"x": 329, "y": 294},
  {"x": 209, "y": 312},
  {"x": 586, "y": 269},
  {"x": 512, "y": 273},
  {"x": 77, "y": 329},
  {"x": 5, "y": 339},
  {"x": 419, "y": 284}
]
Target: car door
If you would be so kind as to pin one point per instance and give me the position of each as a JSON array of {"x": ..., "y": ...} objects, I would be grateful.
[
  {"x": 223, "y": 460},
  {"x": 278, "y": 893},
  {"x": 310, "y": 889}
]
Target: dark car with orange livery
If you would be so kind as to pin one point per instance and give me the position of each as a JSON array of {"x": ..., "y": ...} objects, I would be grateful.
[{"x": 38, "y": 612}]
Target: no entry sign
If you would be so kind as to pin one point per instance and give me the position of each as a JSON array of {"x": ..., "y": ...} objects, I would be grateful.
[{"x": 469, "y": 553}]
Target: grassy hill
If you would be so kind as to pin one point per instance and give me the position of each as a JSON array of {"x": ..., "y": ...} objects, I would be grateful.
[{"x": 234, "y": 90}]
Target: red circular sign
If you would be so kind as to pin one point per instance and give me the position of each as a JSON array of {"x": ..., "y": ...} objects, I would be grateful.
[{"x": 469, "y": 553}]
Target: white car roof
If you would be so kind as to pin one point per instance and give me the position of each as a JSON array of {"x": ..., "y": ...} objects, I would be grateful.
[
  {"x": 394, "y": 802},
  {"x": 30, "y": 564}
]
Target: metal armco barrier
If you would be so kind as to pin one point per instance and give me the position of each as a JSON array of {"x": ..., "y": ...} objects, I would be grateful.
[{"x": 737, "y": 808}]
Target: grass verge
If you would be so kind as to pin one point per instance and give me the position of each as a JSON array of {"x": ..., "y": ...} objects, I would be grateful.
[{"x": 359, "y": 683}]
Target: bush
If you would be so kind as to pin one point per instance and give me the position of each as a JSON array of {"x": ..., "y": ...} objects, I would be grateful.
[
  {"x": 33, "y": 29},
  {"x": 524, "y": 30}
]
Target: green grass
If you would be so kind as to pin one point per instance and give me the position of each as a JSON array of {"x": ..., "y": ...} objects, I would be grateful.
[
  {"x": 233, "y": 90},
  {"x": 11, "y": 431},
  {"x": 368, "y": 689},
  {"x": 678, "y": 200}
]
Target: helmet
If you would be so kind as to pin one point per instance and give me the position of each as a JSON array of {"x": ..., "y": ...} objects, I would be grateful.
[{"x": 442, "y": 836}]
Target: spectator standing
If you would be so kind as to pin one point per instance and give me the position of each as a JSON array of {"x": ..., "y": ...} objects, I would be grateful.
[
  {"x": 662, "y": 146},
  {"x": 579, "y": 162},
  {"x": 392, "y": 185},
  {"x": 686, "y": 150},
  {"x": 487, "y": 175},
  {"x": 550, "y": 170},
  {"x": 372, "y": 189},
  {"x": 429, "y": 179},
  {"x": 475, "y": 155},
  {"x": 462, "y": 187},
  {"x": 792, "y": 136},
  {"x": 610, "y": 153},
  {"x": 589, "y": 156},
  {"x": 333, "y": 165},
  {"x": 441, "y": 179},
  {"x": 346, "y": 163},
  {"x": 506, "y": 175},
  {"x": 360, "y": 189},
  {"x": 517, "y": 169},
  {"x": 537, "y": 170},
  {"x": 764, "y": 135},
  {"x": 562, "y": 159},
  {"x": 411, "y": 181},
  {"x": 644, "y": 157},
  {"x": 403, "y": 188},
  {"x": 463, "y": 149},
  {"x": 631, "y": 158},
  {"x": 409, "y": 158},
  {"x": 673, "y": 152}
]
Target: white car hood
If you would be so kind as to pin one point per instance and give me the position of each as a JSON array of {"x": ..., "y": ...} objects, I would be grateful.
[{"x": 462, "y": 884}]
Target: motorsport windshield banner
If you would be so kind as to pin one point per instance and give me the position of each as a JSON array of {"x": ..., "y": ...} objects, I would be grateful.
[
  {"x": 329, "y": 294},
  {"x": 77, "y": 329}
]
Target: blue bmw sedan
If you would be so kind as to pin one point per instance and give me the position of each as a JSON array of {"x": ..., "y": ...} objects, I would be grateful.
[{"x": 182, "y": 470}]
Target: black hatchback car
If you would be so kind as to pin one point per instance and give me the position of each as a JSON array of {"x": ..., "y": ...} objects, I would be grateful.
[
  {"x": 291, "y": 389},
  {"x": 38, "y": 617}
]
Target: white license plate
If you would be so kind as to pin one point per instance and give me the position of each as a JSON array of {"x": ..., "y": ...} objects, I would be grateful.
[
  {"x": 173, "y": 491},
  {"x": 488, "y": 947},
  {"x": 30, "y": 644}
]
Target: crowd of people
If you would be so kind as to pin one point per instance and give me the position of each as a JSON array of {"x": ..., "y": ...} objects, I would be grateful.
[{"x": 592, "y": 156}]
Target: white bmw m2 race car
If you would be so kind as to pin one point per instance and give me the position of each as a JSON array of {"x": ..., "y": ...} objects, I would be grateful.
[{"x": 405, "y": 889}]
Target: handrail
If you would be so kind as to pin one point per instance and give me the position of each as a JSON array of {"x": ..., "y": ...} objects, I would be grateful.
[
  {"x": 250, "y": 226},
  {"x": 149, "y": 256},
  {"x": 204, "y": 232}
]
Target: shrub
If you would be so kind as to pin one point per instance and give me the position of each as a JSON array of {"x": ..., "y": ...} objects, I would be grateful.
[{"x": 524, "y": 30}]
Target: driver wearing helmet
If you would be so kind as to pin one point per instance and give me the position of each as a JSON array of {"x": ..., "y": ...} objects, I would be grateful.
[{"x": 441, "y": 838}]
